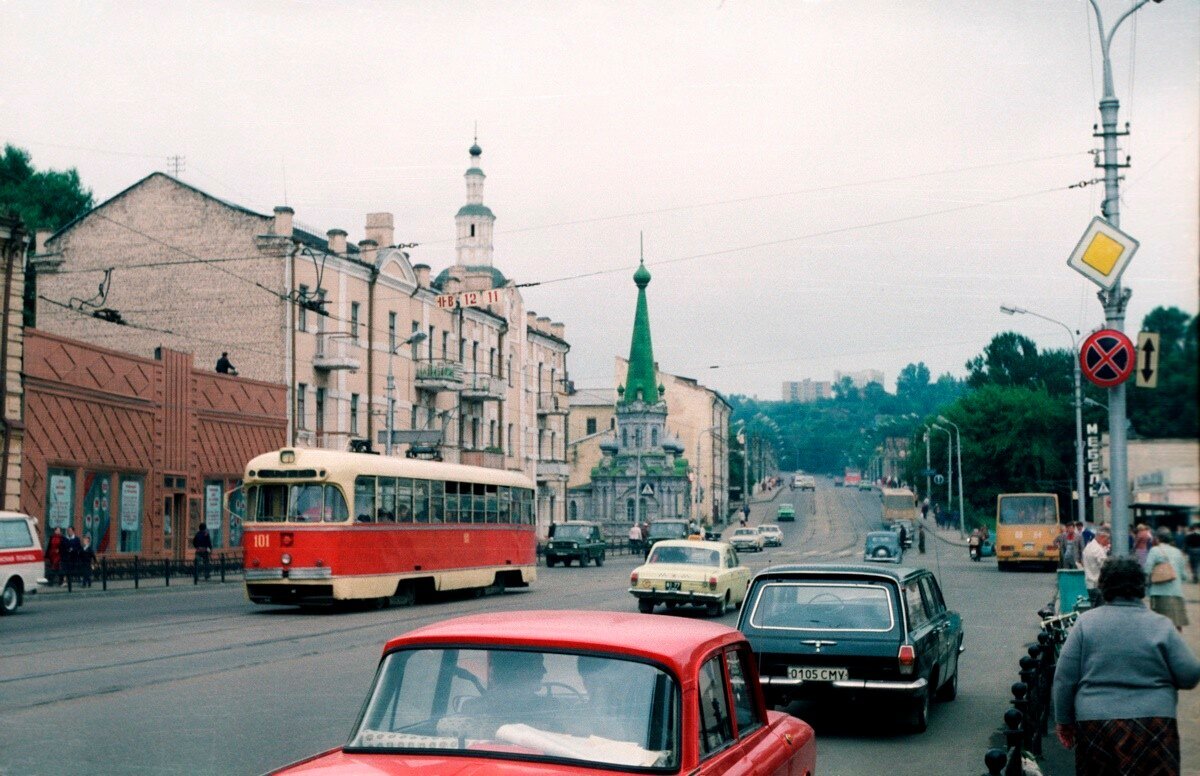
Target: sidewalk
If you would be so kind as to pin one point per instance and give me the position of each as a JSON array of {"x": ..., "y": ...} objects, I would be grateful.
[{"x": 179, "y": 581}]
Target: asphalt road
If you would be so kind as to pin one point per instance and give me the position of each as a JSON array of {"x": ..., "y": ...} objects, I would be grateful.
[{"x": 195, "y": 680}]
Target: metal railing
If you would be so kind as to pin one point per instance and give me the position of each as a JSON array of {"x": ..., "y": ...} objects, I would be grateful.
[{"x": 139, "y": 569}]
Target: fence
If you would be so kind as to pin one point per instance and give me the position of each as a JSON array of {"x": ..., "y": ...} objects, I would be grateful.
[
  {"x": 1027, "y": 722},
  {"x": 140, "y": 569}
]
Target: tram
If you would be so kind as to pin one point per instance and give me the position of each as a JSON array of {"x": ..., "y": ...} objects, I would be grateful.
[{"x": 324, "y": 526}]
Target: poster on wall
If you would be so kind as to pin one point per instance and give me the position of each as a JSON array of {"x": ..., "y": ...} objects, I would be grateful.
[
  {"x": 131, "y": 505},
  {"x": 212, "y": 512},
  {"x": 58, "y": 510},
  {"x": 95, "y": 509}
]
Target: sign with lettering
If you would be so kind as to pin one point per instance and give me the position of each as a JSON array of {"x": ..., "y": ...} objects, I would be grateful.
[
  {"x": 469, "y": 299},
  {"x": 1097, "y": 484},
  {"x": 131, "y": 505},
  {"x": 58, "y": 511}
]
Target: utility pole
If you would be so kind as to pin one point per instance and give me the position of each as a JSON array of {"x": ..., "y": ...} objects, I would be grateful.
[
  {"x": 1116, "y": 298},
  {"x": 928, "y": 476}
]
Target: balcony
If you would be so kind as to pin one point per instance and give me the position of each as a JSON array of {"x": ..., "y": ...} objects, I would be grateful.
[
  {"x": 491, "y": 459},
  {"x": 331, "y": 355},
  {"x": 481, "y": 386},
  {"x": 438, "y": 375},
  {"x": 552, "y": 404},
  {"x": 552, "y": 470}
]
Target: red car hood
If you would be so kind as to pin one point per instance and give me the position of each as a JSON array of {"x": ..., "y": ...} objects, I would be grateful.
[{"x": 339, "y": 763}]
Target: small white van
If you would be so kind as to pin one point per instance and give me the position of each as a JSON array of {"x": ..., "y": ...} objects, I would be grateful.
[{"x": 21, "y": 559}]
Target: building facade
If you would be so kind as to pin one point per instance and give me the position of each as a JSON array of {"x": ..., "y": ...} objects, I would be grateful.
[
  {"x": 373, "y": 350},
  {"x": 861, "y": 379},
  {"x": 12, "y": 341},
  {"x": 643, "y": 474},
  {"x": 807, "y": 391}
]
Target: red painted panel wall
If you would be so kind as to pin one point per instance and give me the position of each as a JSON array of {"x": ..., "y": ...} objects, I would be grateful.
[{"x": 92, "y": 409}]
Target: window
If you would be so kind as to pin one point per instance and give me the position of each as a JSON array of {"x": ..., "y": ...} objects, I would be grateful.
[
  {"x": 637, "y": 438},
  {"x": 130, "y": 538},
  {"x": 404, "y": 500},
  {"x": 654, "y": 437},
  {"x": 421, "y": 501},
  {"x": 391, "y": 332},
  {"x": 354, "y": 321},
  {"x": 301, "y": 310},
  {"x": 301, "y": 412},
  {"x": 354, "y": 413},
  {"x": 15, "y": 535},
  {"x": 716, "y": 725},
  {"x": 745, "y": 710},
  {"x": 591, "y": 425},
  {"x": 934, "y": 605},
  {"x": 412, "y": 417},
  {"x": 492, "y": 434},
  {"x": 510, "y": 374},
  {"x": 364, "y": 499},
  {"x": 472, "y": 230},
  {"x": 630, "y": 510},
  {"x": 445, "y": 344},
  {"x": 917, "y": 617},
  {"x": 60, "y": 500},
  {"x": 320, "y": 410},
  {"x": 492, "y": 361},
  {"x": 97, "y": 511},
  {"x": 385, "y": 507},
  {"x": 511, "y": 449},
  {"x": 572, "y": 511},
  {"x": 474, "y": 356},
  {"x": 462, "y": 349}
]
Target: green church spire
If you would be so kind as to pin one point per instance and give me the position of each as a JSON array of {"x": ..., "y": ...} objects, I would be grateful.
[{"x": 640, "y": 382}]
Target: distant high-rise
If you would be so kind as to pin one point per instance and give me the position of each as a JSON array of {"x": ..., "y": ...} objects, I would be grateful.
[
  {"x": 861, "y": 378},
  {"x": 807, "y": 391}
]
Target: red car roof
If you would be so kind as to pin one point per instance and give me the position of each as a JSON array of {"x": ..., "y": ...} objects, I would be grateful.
[{"x": 676, "y": 641}]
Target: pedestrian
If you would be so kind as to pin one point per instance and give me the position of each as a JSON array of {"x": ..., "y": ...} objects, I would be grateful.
[
  {"x": 1094, "y": 556},
  {"x": 937, "y": 515},
  {"x": 921, "y": 538},
  {"x": 635, "y": 538},
  {"x": 1086, "y": 533},
  {"x": 924, "y": 509},
  {"x": 1143, "y": 540},
  {"x": 1068, "y": 547},
  {"x": 71, "y": 549},
  {"x": 1191, "y": 546},
  {"x": 1117, "y": 679},
  {"x": 87, "y": 560},
  {"x": 202, "y": 543},
  {"x": 1165, "y": 569},
  {"x": 224, "y": 366},
  {"x": 54, "y": 558}
]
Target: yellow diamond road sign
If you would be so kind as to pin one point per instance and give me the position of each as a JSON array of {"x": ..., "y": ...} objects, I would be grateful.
[{"x": 1103, "y": 253}]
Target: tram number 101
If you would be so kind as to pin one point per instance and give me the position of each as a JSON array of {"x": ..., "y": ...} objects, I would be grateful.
[{"x": 262, "y": 540}]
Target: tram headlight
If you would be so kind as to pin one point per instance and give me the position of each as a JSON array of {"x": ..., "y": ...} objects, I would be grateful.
[{"x": 285, "y": 559}]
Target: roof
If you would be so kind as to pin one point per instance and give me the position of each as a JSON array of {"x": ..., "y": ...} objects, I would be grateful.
[
  {"x": 475, "y": 210},
  {"x": 672, "y": 640},
  {"x": 368, "y": 464},
  {"x": 641, "y": 381},
  {"x": 498, "y": 279},
  {"x": 898, "y": 573}
]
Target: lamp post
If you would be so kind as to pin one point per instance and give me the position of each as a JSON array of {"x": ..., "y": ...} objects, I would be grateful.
[
  {"x": 391, "y": 387},
  {"x": 696, "y": 491},
  {"x": 1079, "y": 482},
  {"x": 962, "y": 528},
  {"x": 949, "y": 464},
  {"x": 928, "y": 484}
]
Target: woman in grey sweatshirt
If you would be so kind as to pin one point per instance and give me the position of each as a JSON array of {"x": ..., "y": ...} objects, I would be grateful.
[{"x": 1117, "y": 681}]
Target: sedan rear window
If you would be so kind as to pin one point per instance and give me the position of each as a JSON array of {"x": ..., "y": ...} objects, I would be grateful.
[
  {"x": 695, "y": 556},
  {"x": 823, "y": 606}
]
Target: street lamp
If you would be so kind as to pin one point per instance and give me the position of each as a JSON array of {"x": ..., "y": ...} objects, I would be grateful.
[
  {"x": 949, "y": 464},
  {"x": 696, "y": 486},
  {"x": 1079, "y": 482},
  {"x": 962, "y": 528},
  {"x": 391, "y": 386}
]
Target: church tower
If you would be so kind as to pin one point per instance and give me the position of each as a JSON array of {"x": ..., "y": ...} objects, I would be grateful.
[{"x": 475, "y": 220}]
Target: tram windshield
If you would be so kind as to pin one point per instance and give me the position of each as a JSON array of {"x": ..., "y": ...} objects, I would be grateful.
[{"x": 308, "y": 502}]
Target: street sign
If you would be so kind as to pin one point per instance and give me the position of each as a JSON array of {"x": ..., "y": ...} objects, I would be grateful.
[
  {"x": 1102, "y": 253},
  {"x": 647, "y": 489},
  {"x": 1101, "y": 488},
  {"x": 469, "y": 299},
  {"x": 939, "y": 480},
  {"x": 411, "y": 437},
  {"x": 1107, "y": 358},
  {"x": 1095, "y": 473},
  {"x": 927, "y": 472},
  {"x": 1147, "y": 364}
]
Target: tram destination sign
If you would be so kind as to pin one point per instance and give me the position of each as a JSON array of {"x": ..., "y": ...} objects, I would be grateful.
[{"x": 470, "y": 299}]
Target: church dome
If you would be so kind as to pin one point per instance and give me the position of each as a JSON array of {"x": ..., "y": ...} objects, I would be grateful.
[
  {"x": 476, "y": 150},
  {"x": 476, "y": 210},
  {"x": 498, "y": 279}
]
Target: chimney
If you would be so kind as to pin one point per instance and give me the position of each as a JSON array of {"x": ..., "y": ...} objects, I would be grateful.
[
  {"x": 543, "y": 324},
  {"x": 39, "y": 240},
  {"x": 369, "y": 248},
  {"x": 380, "y": 229},
  {"x": 531, "y": 320},
  {"x": 283, "y": 221},
  {"x": 422, "y": 272},
  {"x": 559, "y": 330},
  {"x": 337, "y": 241}
]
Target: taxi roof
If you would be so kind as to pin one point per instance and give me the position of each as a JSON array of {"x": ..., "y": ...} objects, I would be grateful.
[{"x": 674, "y": 641}]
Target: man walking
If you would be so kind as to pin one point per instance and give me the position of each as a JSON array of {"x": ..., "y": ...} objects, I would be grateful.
[
  {"x": 1094, "y": 555},
  {"x": 202, "y": 543},
  {"x": 72, "y": 549}
]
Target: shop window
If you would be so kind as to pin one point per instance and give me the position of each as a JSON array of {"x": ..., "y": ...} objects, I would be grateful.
[
  {"x": 60, "y": 500},
  {"x": 214, "y": 492},
  {"x": 97, "y": 508},
  {"x": 237, "y": 514},
  {"x": 132, "y": 491}
]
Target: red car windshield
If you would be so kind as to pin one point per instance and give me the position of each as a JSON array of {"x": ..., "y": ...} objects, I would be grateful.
[{"x": 529, "y": 704}]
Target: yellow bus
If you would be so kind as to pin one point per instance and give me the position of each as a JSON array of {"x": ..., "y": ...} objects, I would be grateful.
[
  {"x": 899, "y": 504},
  {"x": 1026, "y": 527}
]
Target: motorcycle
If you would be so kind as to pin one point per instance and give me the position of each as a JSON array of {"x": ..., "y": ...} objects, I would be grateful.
[{"x": 979, "y": 547}]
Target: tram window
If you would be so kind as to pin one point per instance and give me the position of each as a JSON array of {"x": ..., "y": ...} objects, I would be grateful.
[
  {"x": 493, "y": 504},
  {"x": 387, "y": 500},
  {"x": 437, "y": 502},
  {"x": 480, "y": 503},
  {"x": 505, "y": 494},
  {"x": 404, "y": 494},
  {"x": 305, "y": 503},
  {"x": 335, "y": 505},
  {"x": 451, "y": 502},
  {"x": 364, "y": 499},
  {"x": 421, "y": 501}
]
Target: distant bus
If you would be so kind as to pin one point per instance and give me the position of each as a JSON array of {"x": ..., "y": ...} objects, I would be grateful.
[
  {"x": 324, "y": 526},
  {"x": 1026, "y": 527},
  {"x": 899, "y": 504}
]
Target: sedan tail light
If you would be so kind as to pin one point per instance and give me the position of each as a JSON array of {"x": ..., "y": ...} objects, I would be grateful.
[
  {"x": 907, "y": 658},
  {"x": 633, "y": 578},
  {"x": 712, "y": 583}
]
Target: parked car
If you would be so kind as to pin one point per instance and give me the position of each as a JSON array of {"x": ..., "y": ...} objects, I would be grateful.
[
  {"x": 772, "y": 535},
  {"x": 553, "y": 692},
  {"x": 21, "y": 560},
  {"x": 837, "y": 482},
  {"x": 883, "y": 546},
  {"x": 666, "y": 529},
  {"x": 691, "y": 572},
  {"x": 864, "y": 485},
  {"x": 785, "y": 512},
  {"x": 577, "y": 540},
  {"x": 747, "y": 539},
  {"x": 870, "y": 632}
]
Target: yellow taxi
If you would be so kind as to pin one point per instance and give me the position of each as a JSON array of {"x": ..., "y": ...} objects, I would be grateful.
[{"x": 692, "y": 573}]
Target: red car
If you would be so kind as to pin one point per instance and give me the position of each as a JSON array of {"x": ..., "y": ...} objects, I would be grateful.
[{"x": 569, "y": 692}]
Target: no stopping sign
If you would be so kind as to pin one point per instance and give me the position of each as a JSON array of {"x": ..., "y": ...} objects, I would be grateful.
[{"x": 1107, "y": 358}]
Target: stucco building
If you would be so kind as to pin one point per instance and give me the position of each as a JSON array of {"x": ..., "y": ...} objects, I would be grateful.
[
  {"x": 12, "y": 340},
  {"x": 371, "y": 348}
]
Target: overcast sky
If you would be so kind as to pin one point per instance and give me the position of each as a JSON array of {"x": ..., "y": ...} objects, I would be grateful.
[{"x": 822, "y": 185}]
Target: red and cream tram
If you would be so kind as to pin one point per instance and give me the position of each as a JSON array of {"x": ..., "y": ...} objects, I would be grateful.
[{"x": 324, "y": 526}]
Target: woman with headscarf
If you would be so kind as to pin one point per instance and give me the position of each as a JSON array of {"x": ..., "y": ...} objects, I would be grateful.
[
  {"x": 1166, "y": 596},
  {"x": 1117, "y": 681},
  {"x": 1143, "y": 540}
]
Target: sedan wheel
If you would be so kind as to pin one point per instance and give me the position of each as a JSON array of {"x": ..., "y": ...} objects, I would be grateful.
[
  {"x": 10, "y": 599},
  {"x": 645, "y": 605},
  {"x": 918, "y": 720}
]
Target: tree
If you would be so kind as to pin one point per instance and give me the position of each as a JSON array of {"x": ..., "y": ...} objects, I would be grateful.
[
  {"x": 913, "y": 380},
  {"x": 1170, "y": 410},
  {"x": 43, "y": 200},
  {"x": 1013, "y": 359}
]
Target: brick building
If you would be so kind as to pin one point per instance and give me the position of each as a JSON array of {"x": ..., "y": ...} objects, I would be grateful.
[
  {"x": 137, "y": 452},
  {"x": 354, "y": 331},
  {"x": 12, "y": 429}
]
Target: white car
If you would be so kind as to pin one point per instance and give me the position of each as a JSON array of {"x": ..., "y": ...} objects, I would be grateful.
[
  {"x": 747, "y": 539},
  {"x": 21, "y": 559},
  {"x": 772, "y": 535},
  {"x": 689, "y": 572}
]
